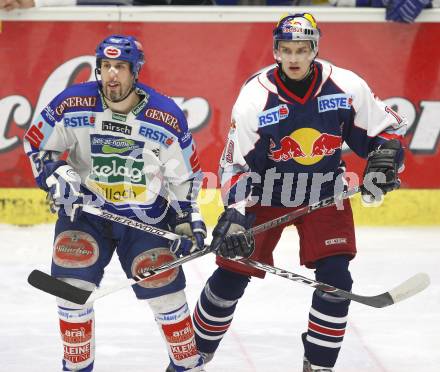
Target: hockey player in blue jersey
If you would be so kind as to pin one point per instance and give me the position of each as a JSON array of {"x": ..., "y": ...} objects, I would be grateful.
[
  {"x": 129, "y": 150},
  {"x": 284, "y": 150}
]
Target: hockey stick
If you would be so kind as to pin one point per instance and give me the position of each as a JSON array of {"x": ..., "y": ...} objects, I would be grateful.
[
  {"x": 408, "y": 288},
  {"x": 57, "y": 287},
  {"x": 130, "y": 222},
  {"x": 288, "y": 217}
]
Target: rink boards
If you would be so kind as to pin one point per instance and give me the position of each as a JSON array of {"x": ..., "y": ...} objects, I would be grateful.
[
  {"x": 200, "y": 56},
  {"x": 21, "y": 206}
]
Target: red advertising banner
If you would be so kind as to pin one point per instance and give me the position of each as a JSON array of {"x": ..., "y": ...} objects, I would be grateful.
[{"x": 203, "y": 65}]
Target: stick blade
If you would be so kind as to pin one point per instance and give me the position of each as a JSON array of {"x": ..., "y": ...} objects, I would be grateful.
[
  {"x": 410, "y": 287},
  {"x": 58, "y": 288}
]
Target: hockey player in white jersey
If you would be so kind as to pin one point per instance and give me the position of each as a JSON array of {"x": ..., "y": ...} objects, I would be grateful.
[
  {"x": 283, "y": 151},
  {"x": 129, "y": 150}
]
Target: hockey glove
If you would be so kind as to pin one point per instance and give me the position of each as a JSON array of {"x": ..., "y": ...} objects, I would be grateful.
[
  {"x": 381, "y": 172},
  {"x": 190, "y": 225},
  {"x": 405, "y": 11},
  {"x": 230, "y": 238},
  {"x": 64, "y": 195}
]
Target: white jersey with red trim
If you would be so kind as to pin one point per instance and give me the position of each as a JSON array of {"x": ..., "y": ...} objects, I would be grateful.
[{"x": 287, "y": 149}]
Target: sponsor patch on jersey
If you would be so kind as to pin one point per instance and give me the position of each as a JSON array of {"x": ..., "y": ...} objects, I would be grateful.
[
  {"x": 79, "y": 119},
  {"x": 112, "y": 145},
  {"x": 119, "y": 193},
  {"x": 109, "y": 126},
  {"x": 71, "y": 102},
  {"x": 163, "y": 117},
  {"x": 38, "y": 133},
  {"x": 334, "y": 102},
  {"x": 272, "y": 116},
  {"x": 306, "y": 146},
  {"x": 74, "y": 249},
  {"x": 116, "y": 169},
  {"x": 156, "y": 134},
  {"x": 119, "y": 117}
]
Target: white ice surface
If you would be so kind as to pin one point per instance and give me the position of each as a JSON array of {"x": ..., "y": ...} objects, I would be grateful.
[{"x": 265, "y": 333}]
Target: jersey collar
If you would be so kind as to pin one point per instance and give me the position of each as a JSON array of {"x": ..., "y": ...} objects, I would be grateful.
[{"x": 286, "y": 92}]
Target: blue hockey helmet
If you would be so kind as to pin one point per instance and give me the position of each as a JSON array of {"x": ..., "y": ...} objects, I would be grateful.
[
  {"x": 299, "y": 26},
  {"x": 124, "y": 48}
]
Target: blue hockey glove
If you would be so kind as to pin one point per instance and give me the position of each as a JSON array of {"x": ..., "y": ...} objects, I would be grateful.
[
  {"x": 190, "y": 225},
  {"x": 230, "y": 238},
  {"x": 405, "y": 11},
  {"x": 64, "y": 190},
  {"x": 381, "y": 172}
]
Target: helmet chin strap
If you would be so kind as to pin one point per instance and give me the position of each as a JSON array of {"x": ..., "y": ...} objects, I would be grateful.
[{"x": 98, "y": 71}]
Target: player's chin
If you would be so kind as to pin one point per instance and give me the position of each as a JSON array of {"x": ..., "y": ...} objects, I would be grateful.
[
  {"x": 114, "y": 95},
  {"x": 296, "y": 74}
]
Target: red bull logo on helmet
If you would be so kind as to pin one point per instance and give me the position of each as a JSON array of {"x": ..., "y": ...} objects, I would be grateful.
[
  {"x": 273, "y": 115},
  {"x": 334, "y": 102},
  {"x": 293, "y": 25},
  {"x": 305, "y": 146}
]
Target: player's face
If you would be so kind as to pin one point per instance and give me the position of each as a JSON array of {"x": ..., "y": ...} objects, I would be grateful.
[
  {"x": 117, "y": 78},
  {"x": 295, "y": 58}
]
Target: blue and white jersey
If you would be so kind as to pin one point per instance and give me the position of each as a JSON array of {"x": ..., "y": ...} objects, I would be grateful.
[
  {"x": 134, "y": 161},
  {"x": 287, "y": 149}
]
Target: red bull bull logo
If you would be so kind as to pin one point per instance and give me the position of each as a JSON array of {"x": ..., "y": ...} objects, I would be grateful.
[
  {"x": 289, "y": 149},
  {"x": 305, "y": 146},
  {"x": 292, "y": 25},
  {"x": 326, "y": 144}
]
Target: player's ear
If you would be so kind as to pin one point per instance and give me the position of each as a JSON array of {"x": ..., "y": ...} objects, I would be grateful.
[{"x": 276, "y": 55}]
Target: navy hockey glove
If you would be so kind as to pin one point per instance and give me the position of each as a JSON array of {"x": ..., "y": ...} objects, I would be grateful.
[
  {"x": 190, "y": 225},
  {"x": 64, "y": 190},
  {"x": 230, "y": 238},
  {"x": 405, "y": 11},
  {"x": 381, "y": 172}
]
